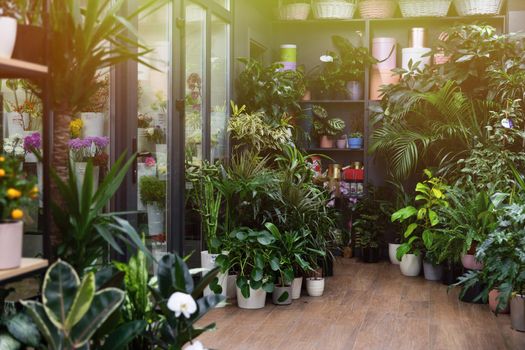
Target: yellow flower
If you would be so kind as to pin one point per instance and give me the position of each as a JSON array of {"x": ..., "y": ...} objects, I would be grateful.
[
  {"x": 17, "y": 214},
  {"x": 2, "y": 159},
  {"x": 34, "y": 192},
  {"x": 2, "y": 172},
  {"x": 13, "y": 193},
  {"x": 75, "y": 127}
]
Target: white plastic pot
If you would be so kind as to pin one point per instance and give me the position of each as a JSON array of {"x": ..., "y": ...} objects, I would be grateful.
[
  {"x": 143, "y": 144},
  {"x": 8, "y": 27},
  {"x": 11, "y": 235},
  {"x": 80, "y": 171},
  {"x": 231, "y": 290},
  {"x": 93, "y": 124},
  {"x": 416, "y": 55},
  {"x": 208, "y": 262},
  {"x": 256, "y": 300},
  {"x": 384, "y": 49},
  {"x": 410, "y": 265},
  {"x": 315, "y": 287},
  {"x": 15, "y": 123},
  {"x": 297, "y": 284},
  {"x": 155, "y": 219},
  {"x": 392, "y": 251}
]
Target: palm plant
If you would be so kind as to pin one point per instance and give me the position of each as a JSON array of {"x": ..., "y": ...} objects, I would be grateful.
[{"x": 428, "y": 129}]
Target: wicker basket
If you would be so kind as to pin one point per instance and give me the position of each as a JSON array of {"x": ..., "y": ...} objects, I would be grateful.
[
  {"x": 294, "y": 12},
  {"x": 334, "y": 9},
  {"x": 478, "y": 7},
  {"x": 377, "y": 8},
  {"x": 424, "y": 8}
]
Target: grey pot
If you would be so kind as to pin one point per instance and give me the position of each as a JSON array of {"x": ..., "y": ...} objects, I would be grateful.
[
  {"x": 517, "y": 312},
  {"x": 354, "y": 90},
  {"x": 282, "y": 295},
  {"x": 432, "y": 272}
]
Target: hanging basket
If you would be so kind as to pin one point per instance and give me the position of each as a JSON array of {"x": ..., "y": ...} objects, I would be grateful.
[
  {"x": 478, "y": 7},
  {"x": 377, "y": 8},
  {"x": 424, "y": 8},
  {"x": 294, "y": 12},
  {"x": 334, "y": 9}
]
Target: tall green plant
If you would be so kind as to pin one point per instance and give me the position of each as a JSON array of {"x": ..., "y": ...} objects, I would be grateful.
[{"x": 86, "y": 230}]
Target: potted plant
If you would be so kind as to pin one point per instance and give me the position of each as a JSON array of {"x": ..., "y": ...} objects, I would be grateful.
[
  {"x": 326, "y": 128},
  {"x": 353, "y": 60},
  {"x": 143, "y": 124},
  {"x": 92, "y": 115},
  {"x": 424, "y": 222},
  {"x": 328, "y": 78},
  {"x": 91, "y": 148},
  {"x": 8, "y": 24},
  {"x": 24, "y": 110},
  {"x": 153, "y": 194},
  {"x": 367, "y": 229},
  {"x": 315, "y": 283},
  {"x": 146, "y": 166},
  {"x": 342, "y": 141},
  {"x": 156, "y": 136},
  {"x": 17, "y": 191},
  {"x": 355, "y": 140},
  {"x": 251, "y": 254},
  {"x": 502, "y": 254}
]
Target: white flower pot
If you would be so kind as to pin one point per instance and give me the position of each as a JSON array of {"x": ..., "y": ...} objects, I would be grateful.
[
  {"x": 143, "y": 144},
  {"x": 80, "y": 171},
  {"x": 8, "y": 26},
  {"x": 282, "y": 292},
  {"x": 155, "y": 219},
  {"x": 410, "y": 265},
  {"x": 517, "y": 312},
  {"x": 297, "y": 284},
  {"x": 231, "y": 290},
  {"x": 15, "y": 123},
  {"x": 143, "y": 170},
  {"x": 208, "y": 262},
  {"x": 392, "y": 251},
  {"x": 11, "y": 235},
  {"x": 315, "y": 287},
  {"x": 256, "y": 300},
  {"x": 93, "y": 124}
]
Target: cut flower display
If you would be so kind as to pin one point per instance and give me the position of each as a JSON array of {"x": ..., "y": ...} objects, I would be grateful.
[{"x": 88, "y": 148}]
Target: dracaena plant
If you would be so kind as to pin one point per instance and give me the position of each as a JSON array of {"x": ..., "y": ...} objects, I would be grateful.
[
  {"x": 424, "y": 216},
  {"x": 73, "y": 310}
]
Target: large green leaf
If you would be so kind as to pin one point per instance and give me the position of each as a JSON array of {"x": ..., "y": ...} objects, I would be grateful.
[
  {"x": 173, "y": 275},
  {"x": 23, "y": 329},
  {"x": 58, "y": 291},
  {"x": 204, "y": 281},
  {"x": 7, "y": 342},
  {"x": 123, "y": 335},
  {"x": 45, "y": 326},
  {"x": 104, "y": 303},
  {"x": 82, "y": 302}
]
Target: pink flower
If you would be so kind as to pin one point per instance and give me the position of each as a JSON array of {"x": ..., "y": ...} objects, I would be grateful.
[{"x": 150, "y": 162}]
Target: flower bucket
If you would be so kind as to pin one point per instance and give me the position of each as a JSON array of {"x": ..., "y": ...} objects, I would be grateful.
[
  {"x": 8, "y": 27},
  {"x": 208, "y": 262},
  {"x": 80, "y": 172},
  {"x": 155, "y": 219},
  {"x": 93, "y": 124},
  {"x": 11, "y": 236}
]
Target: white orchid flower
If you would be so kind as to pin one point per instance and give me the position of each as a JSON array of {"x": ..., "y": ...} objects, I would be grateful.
[
  {"x": 182, "y": 303},
  {"x": 326, "y": 58},
  {"x": 150, "y": 131},
  {"x": 196, "y": 345}
]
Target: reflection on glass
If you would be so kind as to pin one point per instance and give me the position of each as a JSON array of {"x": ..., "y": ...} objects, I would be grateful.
[
  {"x": 224, "y": 3},
  {"x": 219, "y": 87},
  {"x": 195, "y": 45},
  {"x": 152, "y": 165}
]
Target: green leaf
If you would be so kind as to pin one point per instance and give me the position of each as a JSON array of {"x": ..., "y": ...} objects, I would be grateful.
[
  {"x": 433, "y": 216},
  {"x": 410, "y": 229},
  {"x": 7, "y": 342},
  {"x": 402, "y": 250},
  {"x": 256, "y": 275},
  {"x": 265, "y": 238},
  {"x": 23, "y": 329},
  {"x": 268, "y": 287},
  {"x": 123, "y": 335},
  {"x": 45, "y": 326},
  {"x": 274, "y": 263},
  {"x": 427, "y": 239},
  {"x": 283, "y": 296},
  {"x": 403, "y": 214},
  {"x": 82, "y": 301},
  {"x": 437, "y": 193}
]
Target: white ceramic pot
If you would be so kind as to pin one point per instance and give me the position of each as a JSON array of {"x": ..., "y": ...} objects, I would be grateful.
[
  {"x": 297, "y": 285},
  {"x": 517, "y": 312},
  {"x": 208, "y": 262},
  {"x": 93, "y": 124},
  {"x": 315, "y": 287},
  {"x": 80, "y": 171},
  {"x": 282, "y": 295},
  {"x": 256, "y": 300},
  {"x": 155, "y": 219},
  {"x": 410, "y": 265},
  {"x": 8, "y": 27},
  {"x": 143, "y": 144},
  {"x": 143, "y": 170},
  {"x": 11, "y": 235},
  {"x": 392, "y": 251},
  {"x": 231, "y": 290}
]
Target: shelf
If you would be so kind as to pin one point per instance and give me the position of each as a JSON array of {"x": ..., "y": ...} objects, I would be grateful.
[
  {"x": 28, "y": 266},
  {"x": 324, "y": 21},
  {"x": 393, "y": 19},
  {"x": 333, "y": 101},
  {"x": 11, "y": 68},
  {"x": 335, "y": 150}
]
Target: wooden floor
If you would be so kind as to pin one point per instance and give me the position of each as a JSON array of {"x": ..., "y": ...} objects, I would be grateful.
[{"x": 365, "y": 306}]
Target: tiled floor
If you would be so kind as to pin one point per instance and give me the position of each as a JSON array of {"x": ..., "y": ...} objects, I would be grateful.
[{"x": 366, "y": 306}]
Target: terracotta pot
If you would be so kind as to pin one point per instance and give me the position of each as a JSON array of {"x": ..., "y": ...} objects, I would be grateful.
[
  {"x": 307, "y": 96},
  {"x": 470, "y": 263},
  {"x": 341, "y": 143},
  {"x": 11, "y": 235},
  {"x": 326, "y": 142},
  {"x": 493, "y": 302}
]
